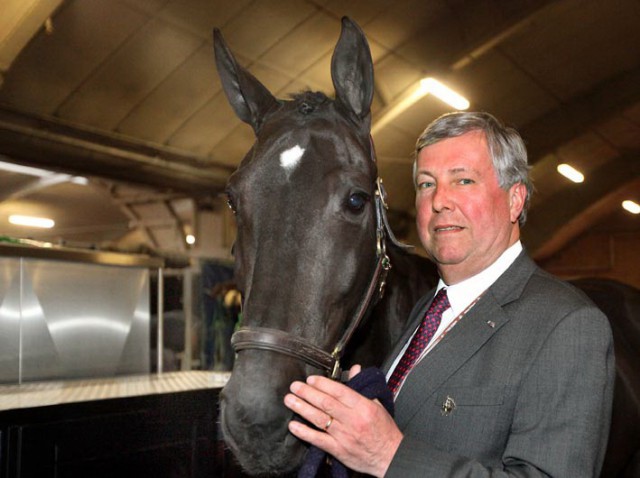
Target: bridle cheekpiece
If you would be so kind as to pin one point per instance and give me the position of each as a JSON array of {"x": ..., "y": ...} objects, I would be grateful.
[{"x": 263, "y": 338}]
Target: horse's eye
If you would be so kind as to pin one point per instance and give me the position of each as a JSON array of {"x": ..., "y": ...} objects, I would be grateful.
[
  {"x": 230, "y": 203},
  {"x": 357, "y": 201}
]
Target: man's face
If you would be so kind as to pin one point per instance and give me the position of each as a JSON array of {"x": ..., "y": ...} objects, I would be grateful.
[{"x": 465, "y": 220}]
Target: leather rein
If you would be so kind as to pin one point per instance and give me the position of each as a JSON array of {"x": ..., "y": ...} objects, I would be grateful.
[{"x": 282, "y": 342}]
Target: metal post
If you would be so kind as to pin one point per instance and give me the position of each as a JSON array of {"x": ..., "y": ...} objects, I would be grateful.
[
  {"x": 187, "y": 295},
  {"x": 160, "y": 343},
  {"x": 21, "y": 319}
]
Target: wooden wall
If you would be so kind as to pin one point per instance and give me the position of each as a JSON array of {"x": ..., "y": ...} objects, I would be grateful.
[{"x": 611, "y": 255}]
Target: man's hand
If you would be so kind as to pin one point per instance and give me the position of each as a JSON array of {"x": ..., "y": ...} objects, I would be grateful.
[{"x": 355, "y": 430}]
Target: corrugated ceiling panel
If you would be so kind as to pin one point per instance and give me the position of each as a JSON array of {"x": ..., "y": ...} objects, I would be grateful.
[
  {"x": 393, "y": 142},
  {"x": 621, "y": 133},
  {"x": 393, "y": 75},
  {"x": 234, "y": 146},
  {"x": 596, "y": 28},
  {"x": 130, "y": 75},
  {"x": 51, "y": 68},
  {"x": 200, "y": 16},
  {"x": 587, "y": 152},
  {"x": 493, "y": 83},
  {"x": 546, "y": 179},
  {"x": 176, "y": 99},
  {"x": 305, "y": 45},
  {"x": 363, "y": 10},
  {"x": 404, "y": 19},
  {"x": 397, "y": 177},
  {"x": 318, "y": 76},
  {"x": 275, "y": 81},
  {"x": 149, "y": 7},
  {"x": 246, "y": 34},
  {"x": 206, "y": 127},
  {"x": 415, "y": 119}
]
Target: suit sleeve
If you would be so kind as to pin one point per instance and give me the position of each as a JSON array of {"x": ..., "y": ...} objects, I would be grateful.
[{"x": 562, "y": 415}]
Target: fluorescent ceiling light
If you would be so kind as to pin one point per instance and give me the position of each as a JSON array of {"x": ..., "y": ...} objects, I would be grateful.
[
  {"x": 631, "y": 206},
  {"x": 571, "y": 173},
  {"x": 425, "y": 87},
  {"x": 80, "y": 180},
  {"x": 31, "y": 221},
  {"x": 42, "y": 173},
  {"x": 27, "y": 170},
  {"x": 444, "y": 93}
]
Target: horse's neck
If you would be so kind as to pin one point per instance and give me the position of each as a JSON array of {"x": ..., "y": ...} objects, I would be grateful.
[{"x": 410, "y": 277}]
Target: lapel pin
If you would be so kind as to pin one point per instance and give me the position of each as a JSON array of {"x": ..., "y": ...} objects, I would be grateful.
[
  {"x": 448, "y": 406},
  {"x": 491, "y": 324}
]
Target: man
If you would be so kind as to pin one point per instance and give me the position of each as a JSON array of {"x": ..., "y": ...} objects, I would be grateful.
[{"x": 518, "y": 377}]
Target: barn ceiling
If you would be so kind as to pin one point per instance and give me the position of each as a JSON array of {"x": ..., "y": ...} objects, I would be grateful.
[{"x": 125, "y": 92}]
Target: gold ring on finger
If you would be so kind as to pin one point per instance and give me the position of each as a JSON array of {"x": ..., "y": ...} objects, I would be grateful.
[{"x": 328, "y": 424}]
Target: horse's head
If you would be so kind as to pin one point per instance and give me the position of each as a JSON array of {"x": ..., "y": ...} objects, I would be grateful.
[{"x": 305, "y": 251}]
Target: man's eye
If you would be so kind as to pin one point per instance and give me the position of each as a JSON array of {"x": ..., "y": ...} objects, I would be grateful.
[
  {"x": 425, "y": 185},
  {"x": 466, "y": 181}
]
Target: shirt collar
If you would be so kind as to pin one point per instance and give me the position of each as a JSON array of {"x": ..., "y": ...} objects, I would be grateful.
[{"x": 462, "y": 294}]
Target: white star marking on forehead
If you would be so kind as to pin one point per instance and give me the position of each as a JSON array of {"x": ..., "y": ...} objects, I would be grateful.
[{"x": 290, "y": 158}]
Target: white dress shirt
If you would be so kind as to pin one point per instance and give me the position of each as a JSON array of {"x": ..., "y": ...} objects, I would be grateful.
[{"x": 463, "y": 294}]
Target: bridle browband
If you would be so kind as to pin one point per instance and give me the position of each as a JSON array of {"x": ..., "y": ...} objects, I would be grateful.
[{"x": 282, "y": 342}]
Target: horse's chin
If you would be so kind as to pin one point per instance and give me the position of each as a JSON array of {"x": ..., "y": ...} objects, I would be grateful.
[{"x": 278, "y": 454}]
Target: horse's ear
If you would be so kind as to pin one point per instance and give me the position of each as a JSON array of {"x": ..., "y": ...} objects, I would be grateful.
[
  {"x": 352, "y": 71},
  {"x": 250, "y": 99}
]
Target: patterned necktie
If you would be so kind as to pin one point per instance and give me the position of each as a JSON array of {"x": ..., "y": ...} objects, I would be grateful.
[{"x": 420, "y": 339}]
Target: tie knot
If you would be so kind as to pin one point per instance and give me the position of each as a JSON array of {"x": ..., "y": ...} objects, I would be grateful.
[{"x": 440, "y": 302}]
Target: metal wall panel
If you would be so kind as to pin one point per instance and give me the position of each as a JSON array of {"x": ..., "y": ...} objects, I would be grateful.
[
  {"x": 9, "y": 320},
  {"x": 75, "y": 320}
]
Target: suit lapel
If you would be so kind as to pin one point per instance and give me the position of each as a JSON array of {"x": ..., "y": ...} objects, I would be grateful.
[{"x": 462, "y": 341}]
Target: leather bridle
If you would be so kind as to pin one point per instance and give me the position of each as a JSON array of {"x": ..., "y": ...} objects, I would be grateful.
[{"x": 282, "y": 342}]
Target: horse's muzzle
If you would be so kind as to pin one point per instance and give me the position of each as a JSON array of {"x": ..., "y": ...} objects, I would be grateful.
[{"x": 254, "y": 424}]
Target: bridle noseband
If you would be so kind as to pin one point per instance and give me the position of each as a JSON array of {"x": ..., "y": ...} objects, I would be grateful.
[{"x": 275, "y": 340}]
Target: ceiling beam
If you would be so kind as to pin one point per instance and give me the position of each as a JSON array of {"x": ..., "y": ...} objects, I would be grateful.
[
  {"x": 584, "y": 221},
  {"x": 560, "y": 218},
  {"x": 19, "y": 22},
  {"x": 530, "y": 13},
  {"x": 51, "y": 144}
]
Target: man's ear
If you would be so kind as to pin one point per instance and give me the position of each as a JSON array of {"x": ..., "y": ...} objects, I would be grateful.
[{"x": 517, "y": 199}]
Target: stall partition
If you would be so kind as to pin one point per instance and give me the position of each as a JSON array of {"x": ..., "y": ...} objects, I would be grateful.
[{"x": 73, "y": 314}]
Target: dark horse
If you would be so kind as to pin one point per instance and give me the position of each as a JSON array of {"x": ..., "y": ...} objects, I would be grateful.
[
  {"x": 621, "y": 304},
  {"x": 311, "y": 252},
  {"x": 305, "y": 200}
]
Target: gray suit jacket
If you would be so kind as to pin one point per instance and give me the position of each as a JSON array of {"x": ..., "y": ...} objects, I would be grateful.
[{"x": 521, "y": 386}]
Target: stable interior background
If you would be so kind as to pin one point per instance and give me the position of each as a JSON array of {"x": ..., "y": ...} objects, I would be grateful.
[{"x": 113, "y": 122}]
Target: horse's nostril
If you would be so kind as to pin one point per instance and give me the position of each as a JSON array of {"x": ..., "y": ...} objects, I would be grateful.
[{"x": 278, "y": 450}]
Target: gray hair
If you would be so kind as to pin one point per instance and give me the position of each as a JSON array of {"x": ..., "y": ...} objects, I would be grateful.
[{"x": 506, "y": 147}]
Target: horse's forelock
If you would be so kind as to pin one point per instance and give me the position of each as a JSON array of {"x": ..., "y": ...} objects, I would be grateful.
[
  {"x": 315, "y": 98},
  {"x": 306, "y": 102}
]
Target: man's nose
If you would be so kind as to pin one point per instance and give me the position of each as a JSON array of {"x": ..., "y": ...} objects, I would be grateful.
[{"x": 441, "y": 199}]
